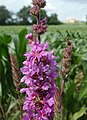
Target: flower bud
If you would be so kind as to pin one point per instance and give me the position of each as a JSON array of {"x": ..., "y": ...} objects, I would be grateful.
[
  {"x": 40, "y": 3},
  {"x": 40, "y": 28},
  {"x": 30, "y": 38},
  {"x": 43, "y": 21},
  {"x": 34, "y": 10}
]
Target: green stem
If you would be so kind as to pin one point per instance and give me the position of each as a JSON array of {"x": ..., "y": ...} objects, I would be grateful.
[
  {"x": 21, "y": 114},
  {"x": 62, "y": 88}
]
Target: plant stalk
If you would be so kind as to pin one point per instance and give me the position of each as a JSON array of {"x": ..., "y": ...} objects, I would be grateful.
[
  {"x": 62, "y": 95},
  {"x": 38, "y": 21},
  {"x": 19, "y": 100},
  {"x": 62, "y": 88}
]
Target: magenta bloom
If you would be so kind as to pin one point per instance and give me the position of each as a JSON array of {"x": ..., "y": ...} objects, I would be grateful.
[
  {"x": 30, "y": 38},
  {"x": 39, "y": 73}
]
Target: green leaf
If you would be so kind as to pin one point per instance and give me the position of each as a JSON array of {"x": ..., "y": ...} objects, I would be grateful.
[
  {"x": 79, "y": 114},
  {"x": 0, "y": 90},
  {"x": 5, "y": 52},
  {"x": 1, "y": 78},
  {"x": 1, "y": 40},
  {"x": 71, "y": 89},
  {"x": 7, "y": 38},
  {"x": 83, "y": 91},
  {"x": 13, "y": 103},
  {"x": 22, "y": 41},
  {"x": 22, "y": 46},
  {"x": 16, "y": 115}
]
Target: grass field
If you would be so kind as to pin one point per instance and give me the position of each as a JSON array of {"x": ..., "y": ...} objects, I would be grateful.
[{"x": 81, "y": 28}]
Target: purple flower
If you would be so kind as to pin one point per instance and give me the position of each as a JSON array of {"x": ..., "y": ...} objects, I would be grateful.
[
  {"x": 50, "y": 101},
  {"x": 30, "y": 38},
  {"x": 46, "y": 86},
  {"x": 43, "y": 21},
  {"x": 39, "y": 72}
]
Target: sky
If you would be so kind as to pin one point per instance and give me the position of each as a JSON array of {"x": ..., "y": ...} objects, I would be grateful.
[{"x": 65, "y": 9}]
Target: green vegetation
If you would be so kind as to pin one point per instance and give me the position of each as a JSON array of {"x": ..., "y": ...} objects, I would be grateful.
[
  {"x": 82, "y": 28},
  {"x": 4, "y": 15},
  {"x": 12, "y": 29},
  {"x": 75, "y": 99}
]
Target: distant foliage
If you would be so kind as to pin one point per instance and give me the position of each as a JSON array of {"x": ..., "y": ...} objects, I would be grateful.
[
  {"x": 5, "y": 15},
  {"x": 53, "y": 19},
  {"x": 23, "y": 17}
]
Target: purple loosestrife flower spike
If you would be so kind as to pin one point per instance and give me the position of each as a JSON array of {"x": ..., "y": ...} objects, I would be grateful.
[{"x": 39, "y": 73}]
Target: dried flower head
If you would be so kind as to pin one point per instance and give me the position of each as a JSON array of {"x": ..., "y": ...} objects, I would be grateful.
[
  {"x": 67, "y": 58},
  {"x": 15, "y": 71}
]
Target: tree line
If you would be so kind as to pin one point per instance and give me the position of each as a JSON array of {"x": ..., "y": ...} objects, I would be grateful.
[{"x": 22, "y": 17}]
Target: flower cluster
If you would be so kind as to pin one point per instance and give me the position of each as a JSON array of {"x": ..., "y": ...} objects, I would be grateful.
[
  {"x": 39, "y": 73},
  {"x": 41, "y": 27},
  {"x": 37, "y": 5},
  {"x": 35, "y": 10},
  {"x": 40, "y": 3}
]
